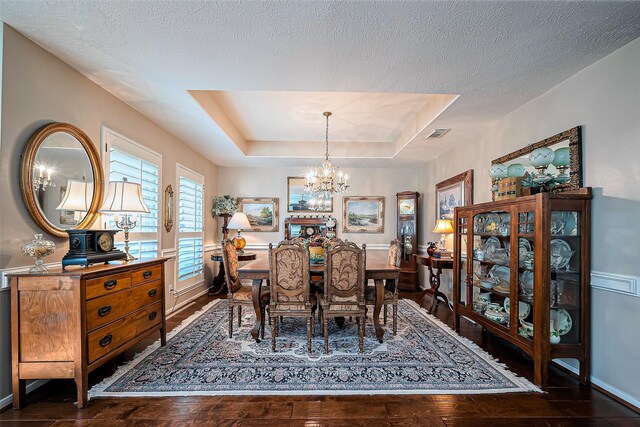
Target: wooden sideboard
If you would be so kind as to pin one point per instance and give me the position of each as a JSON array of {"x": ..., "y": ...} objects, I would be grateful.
[{"x": 66, "y": 324}]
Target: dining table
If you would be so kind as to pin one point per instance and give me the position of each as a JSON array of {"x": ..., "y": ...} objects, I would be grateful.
[{"x": 377, "y": 269}]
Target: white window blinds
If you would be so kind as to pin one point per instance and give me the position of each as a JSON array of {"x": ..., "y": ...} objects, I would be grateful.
[
  {"x": 130, "y": 160},
  {"x": 190, "y": 227}
]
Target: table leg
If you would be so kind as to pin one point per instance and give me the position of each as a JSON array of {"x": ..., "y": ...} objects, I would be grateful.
[
  {"x": 218, "y": 284},
  {"x": 376, "y": 310},
  {"x": 434, "y": 279},
  {"x": 256, "y": 291}
]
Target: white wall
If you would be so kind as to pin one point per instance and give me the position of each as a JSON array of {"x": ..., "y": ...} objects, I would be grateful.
[
  {"x": 605, "y": 99},
  {"x": 272, "y": 182}
]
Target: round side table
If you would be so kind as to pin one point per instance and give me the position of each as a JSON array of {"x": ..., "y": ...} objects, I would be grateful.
[{"x": 219, "y": 284}]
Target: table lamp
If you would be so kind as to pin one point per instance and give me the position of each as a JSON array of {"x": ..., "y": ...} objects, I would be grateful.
[
  {"x": 444, "y": 227},
  {"x": 239, "y": 222},
  {"x": 77, "y": 198},
  {"x": 124, "y": 197}
]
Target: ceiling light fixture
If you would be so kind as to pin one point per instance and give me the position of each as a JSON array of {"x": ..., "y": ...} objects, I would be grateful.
[{"x": 325, "y": 181}]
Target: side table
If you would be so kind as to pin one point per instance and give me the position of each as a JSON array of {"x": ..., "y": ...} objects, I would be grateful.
[
  {"x": 219, "y": 284},
  {"x": 438, "y": 265}
]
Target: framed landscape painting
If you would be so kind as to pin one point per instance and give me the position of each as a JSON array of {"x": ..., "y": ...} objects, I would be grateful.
[
  {"x": 262, "y": 212},
  {"x": 453, "y": 192},
  {"x": 363, "y": 214},
  {"x": 297, "y": 199}
]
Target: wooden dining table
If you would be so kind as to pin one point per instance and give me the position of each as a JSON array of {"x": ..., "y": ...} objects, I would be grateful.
[{"x": 377, "y": 269}]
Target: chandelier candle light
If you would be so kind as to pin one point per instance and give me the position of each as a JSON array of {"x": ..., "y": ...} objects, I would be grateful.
[
  {"x": 326, "y": 180},
  {"x": 124, "y": 197}
]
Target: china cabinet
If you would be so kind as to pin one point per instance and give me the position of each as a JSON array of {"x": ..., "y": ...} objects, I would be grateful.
[
  {"x": 407, "y": 210},
  {"x": 533, "y": 250}
]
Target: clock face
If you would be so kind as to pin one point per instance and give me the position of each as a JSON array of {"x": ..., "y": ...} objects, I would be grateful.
[
  {"x": 331, "y": 223},
  {"x": 407, "y": 207},
  {"x": 310, "y": 231},
  {"x": 105, "y": 242}
]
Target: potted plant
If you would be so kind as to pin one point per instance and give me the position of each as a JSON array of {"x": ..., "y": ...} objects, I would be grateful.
[{"x": 224, "y": 206}]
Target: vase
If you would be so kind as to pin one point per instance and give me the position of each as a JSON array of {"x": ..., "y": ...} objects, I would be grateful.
[
  {"x": 431, "y": 249},
  {"x": 38, "y": 248}
]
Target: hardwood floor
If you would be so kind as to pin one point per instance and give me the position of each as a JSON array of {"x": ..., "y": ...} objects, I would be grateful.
[{"x": 565, "y": 402}]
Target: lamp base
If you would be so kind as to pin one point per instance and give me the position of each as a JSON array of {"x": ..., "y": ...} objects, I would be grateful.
[
  {"x": 443, "y": 240},
  {"x": 239, "y": 243}
]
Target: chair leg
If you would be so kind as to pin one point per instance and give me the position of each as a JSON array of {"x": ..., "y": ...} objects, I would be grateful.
[
  {"x": 230, "y": 321},
  {"x": 273, "y": 337},
  {"x": 309, "y": 332},
  {"x": 262, "y": 322},
  {"x": 240, "y": 316},
  {"x": 361, "y": 333},
  {"x": 385, "y": 313},
  {"x": 326, "y": 336},
  {"x": 276, "y": 325},
  {"x": 395, "y": 318}
]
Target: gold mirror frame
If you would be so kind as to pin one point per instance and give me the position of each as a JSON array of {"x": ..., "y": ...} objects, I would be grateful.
[{"x": 26, "y": 176}]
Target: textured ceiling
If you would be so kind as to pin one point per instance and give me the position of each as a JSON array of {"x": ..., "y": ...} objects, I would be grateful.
[{"x": 496, "y": 55}]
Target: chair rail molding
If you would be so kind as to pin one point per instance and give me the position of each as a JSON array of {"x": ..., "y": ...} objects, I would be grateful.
[
  {"x": 618, "y": 283},
  {"x": 168, "y": 252}
]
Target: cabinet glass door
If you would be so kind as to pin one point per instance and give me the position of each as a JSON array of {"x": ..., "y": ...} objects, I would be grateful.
[
  {"x": 462, "y": 231},
  {"x": 491, "y": 273},
  {"x": 526, "y": 247},
  {"x": 565, "y": 296}
]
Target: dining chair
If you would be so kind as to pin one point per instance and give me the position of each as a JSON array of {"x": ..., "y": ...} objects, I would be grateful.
[
  {"x": 290, "y": 289},
  {"x": 390, "y": 287},
  {"x": 239, "y": 295},
  {"x": 344, "y": 281}
]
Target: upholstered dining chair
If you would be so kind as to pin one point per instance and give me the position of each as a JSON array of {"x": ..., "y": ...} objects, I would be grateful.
[
  {"x": 344, "y": 281},
  {"x": 239, "y": 295},
  {"x": 390, "y": 287},
  {"x": 290, "y": 289}
]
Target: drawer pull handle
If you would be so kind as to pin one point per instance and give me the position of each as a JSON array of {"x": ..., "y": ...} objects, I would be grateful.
[
  {"x": 147, "y": 274},
  {"x": 152, "y": 315},
  {"x": 104, "y": 310},
  {"x": 110, "y": 284},
  {"x": 153, "y": 292},
  {"x": 106, "y": 340}
]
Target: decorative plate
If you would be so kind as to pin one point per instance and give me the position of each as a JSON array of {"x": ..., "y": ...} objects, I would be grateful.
[
  {"x": 523, "y": 308},
  {"x": 524, "y": 244},
  {"x": 501, "y": 273},
  {"x": 490, "y": 245},
  {"x": 503, "y": 289},
  {"x": 563, "y": 223},
  {"x": 559, "y": 246},
  {"x": 562, "y": 321}
]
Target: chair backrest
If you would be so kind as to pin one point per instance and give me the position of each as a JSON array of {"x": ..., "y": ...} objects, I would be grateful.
[
  {"x": 289, "y": 272},
  {"x": 394, "y": 254},
  {"x": 344, "y": 272},
  {"x": 230, "y": 262}
]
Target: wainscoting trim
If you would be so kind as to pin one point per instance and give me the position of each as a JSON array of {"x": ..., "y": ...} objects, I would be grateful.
[
  {"x": 265, "y": 246},
  {"x": 618, "y": 283},
  {"x": 169, "y": 252},
  {"x": 31, "y": 385}
]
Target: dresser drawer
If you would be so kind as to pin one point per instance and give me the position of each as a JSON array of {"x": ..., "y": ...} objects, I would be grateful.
[
  {"x": 146, "y": 274},
  {"x": 110, "y": 337},
  {"x": 108, "y": 284},
  {"x": 108, "y": 308}
]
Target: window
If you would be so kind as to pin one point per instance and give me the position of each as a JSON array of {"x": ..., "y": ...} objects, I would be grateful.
[
  {"x": 190, "y": 227},
  {"x": 127, "y": 159}
]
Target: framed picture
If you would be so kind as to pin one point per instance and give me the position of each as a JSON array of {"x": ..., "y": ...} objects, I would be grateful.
[
  {"x": 363, "y": 214},
  {"x": 262, "y": 212},
  {"x": 297, "y": 200},
  {"x": 455, "y": 191}
]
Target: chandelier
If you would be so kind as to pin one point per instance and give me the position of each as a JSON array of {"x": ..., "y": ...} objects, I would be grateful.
[{"x": 326, "y": 180}]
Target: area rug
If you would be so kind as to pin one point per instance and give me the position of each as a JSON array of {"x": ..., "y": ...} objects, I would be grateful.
[{"x": 425, "y": 357}]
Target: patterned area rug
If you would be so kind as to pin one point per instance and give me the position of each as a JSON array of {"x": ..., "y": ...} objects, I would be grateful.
[{"x": 425, "y": 357}]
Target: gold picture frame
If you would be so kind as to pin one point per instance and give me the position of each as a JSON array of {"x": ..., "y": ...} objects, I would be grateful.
[
  {"x": 363, "y": 214},
  {"x": 262, "y": 212}
]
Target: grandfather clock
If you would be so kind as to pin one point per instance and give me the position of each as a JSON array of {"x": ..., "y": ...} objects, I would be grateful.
[{"x": 407, "y": 210}]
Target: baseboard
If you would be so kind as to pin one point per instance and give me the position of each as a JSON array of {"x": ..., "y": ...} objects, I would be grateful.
[
  {"x": 611, "y": 391},
  {"x": 174, "y": 310},
  {"x": 31, "y": 386}
]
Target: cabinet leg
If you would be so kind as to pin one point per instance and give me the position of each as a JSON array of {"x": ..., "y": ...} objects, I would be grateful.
[
  {"x": 82, "y": 381},
  {"x": 163, "y": 334},
  {"x": 19, "y": 392},
  {"x": 585, "y": 375}
]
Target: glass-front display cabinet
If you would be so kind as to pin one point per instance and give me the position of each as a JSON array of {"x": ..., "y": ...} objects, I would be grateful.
[{"x": 521, "y": 271}]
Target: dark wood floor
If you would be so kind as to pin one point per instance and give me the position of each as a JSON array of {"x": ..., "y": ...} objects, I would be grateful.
[{"x": 565, "y": 402}]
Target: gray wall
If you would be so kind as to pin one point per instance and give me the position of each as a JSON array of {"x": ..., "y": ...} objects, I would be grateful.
[
  {"x": 605, "y": 99},
  {"x": 39, "y": 88}
]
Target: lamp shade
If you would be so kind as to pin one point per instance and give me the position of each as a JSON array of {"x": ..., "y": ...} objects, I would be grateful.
[
  {"x": 124, "y": 196},
  {"x": 443, "y": 226},
  {"x": 239, "y": 221},
  {"x": 78, "y": 196}
]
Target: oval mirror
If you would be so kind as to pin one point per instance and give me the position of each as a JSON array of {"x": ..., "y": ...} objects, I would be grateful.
[{"x": 61, "y": 178}]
